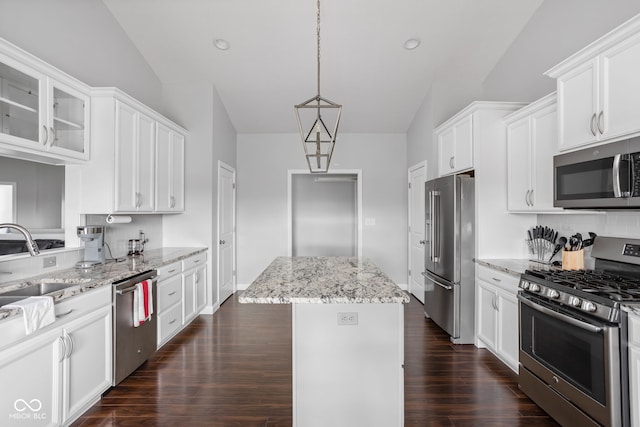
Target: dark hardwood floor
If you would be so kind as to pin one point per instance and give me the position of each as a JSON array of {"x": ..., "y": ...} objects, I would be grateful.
[{"x": 234, "y": 369}]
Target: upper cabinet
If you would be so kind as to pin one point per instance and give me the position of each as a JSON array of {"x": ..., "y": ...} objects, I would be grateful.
[
  {"x": 138, "y": 158},
  {"x": 455, "y": 144},
  {"x": 531, "y": 144},
  {"x": 44, "y": 113},
  {"x": 169, "y": 169},
  {"x": 598, "y": 89}
]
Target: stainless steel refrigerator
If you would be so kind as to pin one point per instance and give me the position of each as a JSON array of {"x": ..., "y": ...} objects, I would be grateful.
[{"x": 449, "y": 252}]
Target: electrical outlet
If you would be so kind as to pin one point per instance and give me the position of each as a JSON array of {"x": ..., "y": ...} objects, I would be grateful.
[
  {"x": 49, "y": 261},
  {"x": 348, "y": 318},
  {"x": 369, "y": 221}
]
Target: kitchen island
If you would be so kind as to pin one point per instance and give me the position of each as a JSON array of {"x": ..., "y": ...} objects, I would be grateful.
[{"x": 348, "y": 338}]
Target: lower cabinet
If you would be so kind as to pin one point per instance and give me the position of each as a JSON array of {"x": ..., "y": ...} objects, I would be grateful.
[
  {"x": 497, "y": 315},
  {"x": 53, "y": 376},
  {"x": 634, "y": 368},
  {"x": 181, "y": 295}
]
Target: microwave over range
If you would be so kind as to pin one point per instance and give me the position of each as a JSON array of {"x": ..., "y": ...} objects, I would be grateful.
[{"x": 602, "y": 177}]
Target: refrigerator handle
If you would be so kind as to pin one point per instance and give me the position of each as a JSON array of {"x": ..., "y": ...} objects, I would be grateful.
[
  {"x": 436, "y": 282},
  {"x": 435, "y": 224},
  {"x": 430, "y": 226}
]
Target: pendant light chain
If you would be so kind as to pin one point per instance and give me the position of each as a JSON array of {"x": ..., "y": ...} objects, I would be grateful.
[{"x": 318, "y": 34}]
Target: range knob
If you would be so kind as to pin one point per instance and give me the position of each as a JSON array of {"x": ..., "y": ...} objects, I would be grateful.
[
  {"x": 575, "y": 301},
  {"x": 589, "y": 306},
  {"x": 524, "y": 284},
  {"x": 534, "y": 287},
  {"x": 552, "y": 293}
]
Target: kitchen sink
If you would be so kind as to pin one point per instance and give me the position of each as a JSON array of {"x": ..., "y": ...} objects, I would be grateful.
[
  {"x": 4, "y": 300},
  {"x": 38, "y": 289}
]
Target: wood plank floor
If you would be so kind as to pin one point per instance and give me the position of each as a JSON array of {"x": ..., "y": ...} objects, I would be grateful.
[{"x": 234, "y": 369}]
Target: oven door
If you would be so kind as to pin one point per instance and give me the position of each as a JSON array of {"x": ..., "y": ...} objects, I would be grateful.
[{"x": 576, "y": 356}]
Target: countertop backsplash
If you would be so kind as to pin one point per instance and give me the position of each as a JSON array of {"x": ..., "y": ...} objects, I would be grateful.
[
  {"x": 610, "y": 224},
  {"x": 117, "y": 235},
  {"x": 28, "y": 266}
]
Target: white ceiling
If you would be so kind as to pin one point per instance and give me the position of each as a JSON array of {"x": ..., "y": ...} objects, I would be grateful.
[{"x": 271, "y": 65}]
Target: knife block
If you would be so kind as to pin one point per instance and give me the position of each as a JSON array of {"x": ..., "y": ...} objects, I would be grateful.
[{"x": 573, "y": 260}]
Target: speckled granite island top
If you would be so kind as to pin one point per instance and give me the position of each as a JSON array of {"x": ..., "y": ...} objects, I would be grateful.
[
  {"x": 323, "y": 280},
  {"x": 101, "y": 275}
]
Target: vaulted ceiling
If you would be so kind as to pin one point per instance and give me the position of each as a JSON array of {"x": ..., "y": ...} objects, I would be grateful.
[{"x": 271, "y": 63}]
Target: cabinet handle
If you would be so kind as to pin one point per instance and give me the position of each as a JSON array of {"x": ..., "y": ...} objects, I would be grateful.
[
  {"x": 172, "y": 322},
  {"x": 46, "y": 136},
  {"x": 423, "y": 242},
  {"x": 197, "y": 261},
  {"x": 64, "y": 349},
  {"x": 172, "y": 293},
  {"x": 531, "y": 197},
  {"x": 593, "y": 121},
  {"x": 222, "y": 242},
  {"x": 173, "y": 202},
  {"x": 64, "y": 314},
  {"x": 53, "y": 136},
  {"x": 451, "y": 164},
  {"x": 495, "y": 279},
  {"x": 598, "y": 122},
  {"x": 71, "y": 345},
  {"x": 171, "y": 271},
  {"x": 526, "y": 198},
  {"x": 138, "y": 200}
]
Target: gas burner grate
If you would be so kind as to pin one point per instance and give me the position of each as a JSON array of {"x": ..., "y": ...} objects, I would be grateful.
[{"x": 601, "y": 283}]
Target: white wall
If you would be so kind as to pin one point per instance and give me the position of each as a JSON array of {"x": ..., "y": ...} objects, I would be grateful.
[
  {"x": 263, "y": 161},
  {"x": 83, "y": 39},
  {"x": 556, "y": 31},
  {"x": 211, "y": 137}
]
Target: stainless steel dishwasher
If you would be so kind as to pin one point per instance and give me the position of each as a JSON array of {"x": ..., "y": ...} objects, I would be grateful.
[{"x": 132, "y": 346}]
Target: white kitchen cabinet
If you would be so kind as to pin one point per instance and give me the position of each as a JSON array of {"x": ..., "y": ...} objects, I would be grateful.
[
  {"x": 169, "y": 299},
  {"x": 497, "y": 315},
  {"x": 181, "y": 295},
  {"x": 87, "y": 368},
  {"x": 44, "y": 113},
  {"x": 455, "y": 144},
  {"x": 531, "y": 144},
  {"x": 31, "y": 373},
  {"x": 127, "y": 172},
  {"x": 58, "y": 372},
  {"x": 169, "y": 170},
  {"x": 597, "y": 89},
  {"x": 634, "y": 368},
  {"x": 135, "y": 160}
]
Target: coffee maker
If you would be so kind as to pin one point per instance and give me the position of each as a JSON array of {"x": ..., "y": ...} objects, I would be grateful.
[{"x": 93, "y": 238}]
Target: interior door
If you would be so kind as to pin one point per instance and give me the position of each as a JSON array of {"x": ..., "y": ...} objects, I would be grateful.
[
  {"x": 417, "y": 178},
  {"x": 226, "y": 231}
]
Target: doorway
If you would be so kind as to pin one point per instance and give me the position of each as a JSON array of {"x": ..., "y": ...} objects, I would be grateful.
[
  {"x": 226, "y": 256},
  {"x": 325, "y": 213},
  {"x": 417, "y": 178}
]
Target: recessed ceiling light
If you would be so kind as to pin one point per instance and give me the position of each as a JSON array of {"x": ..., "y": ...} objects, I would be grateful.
[
  {"x": 222, "y": 44},
  {"x": 411, "y": 43}
]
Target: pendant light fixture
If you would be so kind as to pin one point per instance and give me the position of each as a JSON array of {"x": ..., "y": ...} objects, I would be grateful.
[{"x": 318, "y": 140}]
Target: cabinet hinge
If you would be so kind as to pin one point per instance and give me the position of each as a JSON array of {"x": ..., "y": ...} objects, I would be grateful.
[{"x": 233, "y": 185}]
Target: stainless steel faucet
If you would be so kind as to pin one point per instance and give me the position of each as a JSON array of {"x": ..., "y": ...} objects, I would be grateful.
[{"x": 32, "y": 246}]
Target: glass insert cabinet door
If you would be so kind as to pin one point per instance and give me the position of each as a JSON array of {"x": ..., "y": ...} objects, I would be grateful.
[
  {"x": 68, "y": 119},
  {"x": 20, "y": 105},
  {"x": 41, "y": 113}
]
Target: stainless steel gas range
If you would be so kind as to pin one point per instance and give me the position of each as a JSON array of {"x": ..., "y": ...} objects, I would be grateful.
[{"x": 573, "y": 336}]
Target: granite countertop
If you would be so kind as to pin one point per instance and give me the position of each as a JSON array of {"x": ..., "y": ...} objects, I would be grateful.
[
  {"x": 323, "y": 280},
  {"x": 101, "y": 275},
  {"x": 513, "y": 266}
]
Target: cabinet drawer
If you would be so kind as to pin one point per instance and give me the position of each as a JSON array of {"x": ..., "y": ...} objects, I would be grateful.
[
  {"x": 500, "y": 279},
  {"x": 634, "y": 329},
  {"x": 169, "y": 270},
  {"x": 169, "y": 322},
  {"x": 84, "y": 302},
  {"x": 194, "y": 261},
  {"x": 169, "y": 292}
]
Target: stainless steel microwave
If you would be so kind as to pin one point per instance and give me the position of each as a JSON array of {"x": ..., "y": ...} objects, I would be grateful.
[{"x": 601, "y": 177}]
